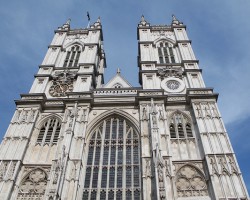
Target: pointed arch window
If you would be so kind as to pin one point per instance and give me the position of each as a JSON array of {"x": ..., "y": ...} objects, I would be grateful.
[
  {"x": 113, "y": 157},
  {"x": 180, "y": 127},
  {"x": 166, "y": 53},
  {"x": 72, "y": 56},
  {"x": 49, "y": 132}
]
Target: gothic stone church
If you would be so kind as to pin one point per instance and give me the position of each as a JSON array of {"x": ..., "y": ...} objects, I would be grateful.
[{"x": 72, "y": 137}]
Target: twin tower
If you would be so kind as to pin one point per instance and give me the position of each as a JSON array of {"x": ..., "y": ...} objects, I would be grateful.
[{"x": 72, "y": 137}]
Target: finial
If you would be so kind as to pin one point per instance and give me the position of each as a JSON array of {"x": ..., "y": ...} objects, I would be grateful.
[
  {"x": 173, "y": 17},
  {"x": 142, "y": 18},
  {"x": 99, "y": 19},
  {"x": 118, "y": 70},
  {"x": 68, "y": 21},
  {"x": 176, "y": 21}
]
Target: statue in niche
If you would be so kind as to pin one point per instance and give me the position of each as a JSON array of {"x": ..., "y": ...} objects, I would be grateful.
[
  {"x": 24, "y": 116},
  {"x": 161, "y": 182},
  {"x": 83, "y": 117},
  {"x": 167, "y": 168},
  {"x": 198, "y": 109},
  {"x": 2, "y": 170},
  {"x": 214, "y": 111},
  {"x": 207, "y": 113},
  {"x": 31, "y": 115},
  {"x": 17, "y": 116},
  {"x": 223, "y": 165},
  {"x": 233, "y": 166},
  {"x": 148, "y": 169},
  {"x": 144, "y": 114},
  {"x": 160, "y": 115},
  {"x": 214, "y": 167}
]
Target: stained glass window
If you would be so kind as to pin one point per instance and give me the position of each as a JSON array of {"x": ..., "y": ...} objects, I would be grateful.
[{"x": 115, "y": 160}]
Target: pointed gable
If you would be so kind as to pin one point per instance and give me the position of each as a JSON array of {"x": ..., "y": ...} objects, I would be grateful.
[{"x": 118, "y": 82}]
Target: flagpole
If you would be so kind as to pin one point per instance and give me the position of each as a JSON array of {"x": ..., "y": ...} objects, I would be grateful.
[{"x": 88, "y": 19}]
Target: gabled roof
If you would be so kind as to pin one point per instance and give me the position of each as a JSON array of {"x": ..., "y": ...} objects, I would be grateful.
[{"x": 118, "y": 82}]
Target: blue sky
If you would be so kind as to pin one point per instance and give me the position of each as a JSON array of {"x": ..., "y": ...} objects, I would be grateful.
[{"x": 219, "y": 30}]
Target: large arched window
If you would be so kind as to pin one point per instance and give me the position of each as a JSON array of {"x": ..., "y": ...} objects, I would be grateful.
[
  {"x": 72, "y": 57},
  {"x": 113, "y": 162},
  {"x": 166, "y": 52},
  {"x": 49, "y": 132}
]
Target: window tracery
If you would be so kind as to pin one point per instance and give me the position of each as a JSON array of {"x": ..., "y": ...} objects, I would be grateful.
[
  {"x": 117, "y": 85},
  {"x": 49, "y": 132},
  {"x": 113, "y": 157},
  {"x": 190, "y": 182},
  {"x": 180, "y": 126},
  {"x": 72, "y": 56},
  {"x": 166, "y": 53},
  {"x": 33, "y": 186}
]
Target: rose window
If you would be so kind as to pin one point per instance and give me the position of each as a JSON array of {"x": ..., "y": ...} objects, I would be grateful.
[{"x": 173, "y": 84}]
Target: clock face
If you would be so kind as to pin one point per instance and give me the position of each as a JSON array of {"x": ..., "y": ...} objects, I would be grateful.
[{"x": 59, "y": 89}]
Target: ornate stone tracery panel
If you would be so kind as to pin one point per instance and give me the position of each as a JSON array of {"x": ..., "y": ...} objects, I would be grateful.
[
  {"x": 190, "y": 182},
  {"x": 33, "y": 185}
]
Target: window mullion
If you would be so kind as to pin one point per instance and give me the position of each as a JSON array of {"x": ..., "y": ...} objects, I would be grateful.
[
  {"x": 100, "y": 162},
  {"x": 53, "y": 132},
  {"x": 46, "y": 131}
]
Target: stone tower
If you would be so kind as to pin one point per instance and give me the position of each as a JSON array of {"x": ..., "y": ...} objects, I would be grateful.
[{"x": 74, "y": 137}]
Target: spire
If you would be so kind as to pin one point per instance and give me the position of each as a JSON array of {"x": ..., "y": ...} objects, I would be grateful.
[
  {"x": 143, "y": 22},
  {"x": 142, "y": 18},
  {"x": 68, "y": 22},
  {"x": 118, "y": 70},
  {"x": 97, "y": 23},
  {"x": 175, "y": 21},
  {"x": 99, "y": 19},
  {"x": 66, "y": 25},
  {"x": 174, "y": 18}
]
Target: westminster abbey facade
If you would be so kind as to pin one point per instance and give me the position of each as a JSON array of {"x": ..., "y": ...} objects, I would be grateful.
[{"x": 72, "y": 137}]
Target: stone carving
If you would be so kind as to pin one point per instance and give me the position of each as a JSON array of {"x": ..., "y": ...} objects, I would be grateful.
[
  {"x": 206, "y": 110},
  {"x": 62, "y": 83},
  {"x": 168, "y": 171},
  {"x": 161, "y": 182},
  {"x": 83, "y": 116},
  {"x": 170, "y": 72},
  {"x": 11, "y": 169},
  {"x": 3, "y": 167},
  {"x": 31, "y": 115},
  {"x": 223, "y": 164},
  {"x": 147, "y": 173},
  {"x": 144, "y": 113},
  {"x": 161, "y": 117},
  {"x": 23, "y": 116},
  {"x": 233, "y": 166},
  {"x": 57, "y": 168},
  {"x": 16, "y": 118},
  {"x": 34, "y": 185},
  {"x": 73, "y": 171},
  {"x": 190, "y": 182}
]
